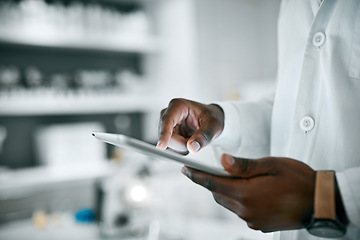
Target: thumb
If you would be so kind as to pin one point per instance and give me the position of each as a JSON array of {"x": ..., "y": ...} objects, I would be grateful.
[
  {"x": 245, "y": 168},
  {"x": 201, "y": 138}
]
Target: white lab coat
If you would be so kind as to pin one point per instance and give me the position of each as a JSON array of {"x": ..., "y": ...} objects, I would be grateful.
[{"x": 315, "y": 114}]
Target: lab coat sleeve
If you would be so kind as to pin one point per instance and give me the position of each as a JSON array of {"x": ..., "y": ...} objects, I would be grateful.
[
  {"x": 349, "y": 185},
  {"x": 247, "y": 128}
]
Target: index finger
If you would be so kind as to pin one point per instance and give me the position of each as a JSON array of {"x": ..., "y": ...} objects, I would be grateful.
[
  {"x": 165, "y": 132},
  {"x": 169, "y": 118}
]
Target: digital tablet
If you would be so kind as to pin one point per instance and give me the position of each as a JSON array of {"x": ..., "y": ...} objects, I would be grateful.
[{"x": 150, "y": 150}]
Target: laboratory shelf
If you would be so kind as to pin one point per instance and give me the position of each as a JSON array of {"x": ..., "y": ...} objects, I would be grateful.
[
  {"x": 141, "y": 45},
  {"x": 65, "y": 104}
]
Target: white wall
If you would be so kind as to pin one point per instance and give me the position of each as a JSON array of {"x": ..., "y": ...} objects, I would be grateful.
[
  {"x": 174, "y": 68},
  {"x": 236, "y": 44}
]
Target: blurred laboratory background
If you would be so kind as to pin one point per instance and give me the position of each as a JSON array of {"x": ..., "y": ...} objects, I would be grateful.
[{"x": 70, "y": 67}]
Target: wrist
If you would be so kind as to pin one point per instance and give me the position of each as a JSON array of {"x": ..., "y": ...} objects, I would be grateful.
[
  {"x": 230, "y": 137},
  {"x": 219, "y": 115}
]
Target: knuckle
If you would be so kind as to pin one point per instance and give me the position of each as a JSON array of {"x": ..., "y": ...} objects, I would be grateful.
[
  {"x": 176, "y": 101},
  {"x": 253, "y": 226},
  {"x": 207, "y": 135},
  {"x": 204, "y": 137},
  {"x": 208, "y": 184},
  {"x": 229, "y": 204},
  {"x": 244, "y": 165}
]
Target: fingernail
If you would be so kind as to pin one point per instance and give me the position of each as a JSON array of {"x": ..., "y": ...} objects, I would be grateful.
[
  {"x": 158, "y": 145},
  {"x": 195, "y": 146},
  {"x": 229, "y": 160}
]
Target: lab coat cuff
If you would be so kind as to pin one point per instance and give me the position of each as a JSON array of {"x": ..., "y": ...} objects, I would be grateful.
[
  {"x": 230, "y": 136},
  {"x": 347, "y": 188}
]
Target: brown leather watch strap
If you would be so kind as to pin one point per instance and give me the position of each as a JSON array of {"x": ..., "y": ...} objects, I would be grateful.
[{"x": 324, "y": 203}]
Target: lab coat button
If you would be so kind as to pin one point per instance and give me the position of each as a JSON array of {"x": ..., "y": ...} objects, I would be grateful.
[
  {"x": 307, "y": 123},
  {"x": 319, "y": 39}
]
